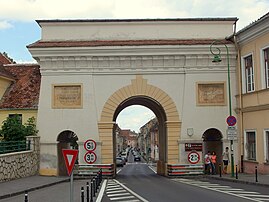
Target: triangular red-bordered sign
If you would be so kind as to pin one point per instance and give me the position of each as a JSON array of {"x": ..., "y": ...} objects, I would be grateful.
[{"x": 70, "y": 156}]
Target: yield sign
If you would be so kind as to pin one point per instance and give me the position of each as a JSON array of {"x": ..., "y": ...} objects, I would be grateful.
[{"x": 70, "y": 156}]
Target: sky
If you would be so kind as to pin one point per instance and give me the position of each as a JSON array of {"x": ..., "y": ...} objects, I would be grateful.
[{"x": 18, "y": 27}]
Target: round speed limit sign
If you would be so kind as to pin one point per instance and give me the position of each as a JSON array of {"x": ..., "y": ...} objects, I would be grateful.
[
  {"x": 90, "y": 145},
  {"x": 90, "y": 157},
  {"x": 193, "y": 157}
]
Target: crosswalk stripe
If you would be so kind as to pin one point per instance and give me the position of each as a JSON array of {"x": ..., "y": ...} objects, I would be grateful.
[
  {"x": 121, "y": 194},
  {"x": 120, "y": 198},
  {"x": 109, "y": 189},
  {"x": 254, "y": 196},
  {"x": 117, "y": 191}
]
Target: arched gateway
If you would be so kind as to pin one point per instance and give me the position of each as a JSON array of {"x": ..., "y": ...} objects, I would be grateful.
[
  {"x": 140, "y": 92},
  {"x": 93, "y": 69}
]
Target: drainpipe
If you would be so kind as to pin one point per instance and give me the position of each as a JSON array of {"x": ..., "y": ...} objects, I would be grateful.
[{"x": 240, "y": 99}]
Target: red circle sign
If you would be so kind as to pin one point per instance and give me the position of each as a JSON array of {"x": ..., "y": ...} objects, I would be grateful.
[
  {"x": 90, "y": 145},
  {"x": 231, "y": 120},
  {"x": 193, "y": 157},
  {"x": 90, "y": 157}
]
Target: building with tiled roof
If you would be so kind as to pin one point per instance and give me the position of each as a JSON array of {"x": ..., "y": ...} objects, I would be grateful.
[
  {"x": 19, "y": 90},
  {"x": 4, "y": 59}
]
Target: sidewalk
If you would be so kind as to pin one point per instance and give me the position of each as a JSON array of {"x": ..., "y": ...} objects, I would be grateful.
[
  {"x": 262, "y": 180},
  {"x": 19, "y": 186}
]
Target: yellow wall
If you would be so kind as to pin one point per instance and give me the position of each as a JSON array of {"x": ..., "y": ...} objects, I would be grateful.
[
  {"x": 26, "y": 114},
  {"x": 4, "y": 84},
  {"x": 254, "y": 47},
  {"x": 255, "y": 105}
]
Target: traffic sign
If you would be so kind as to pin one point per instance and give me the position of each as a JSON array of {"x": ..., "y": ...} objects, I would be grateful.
[
  {"x": 231, "y": 133},
  {"x": 193, "y": 157},
  {"x": 231, "y": 120},
  {"x": 90, "y": 145},
  {"x": 70, "y": 156},
  {"x": 90, "y": 157}
]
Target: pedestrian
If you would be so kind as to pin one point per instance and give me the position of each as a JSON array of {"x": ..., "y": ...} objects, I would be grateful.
[
  {"x": 213, "y": 162},
  {"x": 207, "y": 163},
  {"x": 225, "y": 159}
]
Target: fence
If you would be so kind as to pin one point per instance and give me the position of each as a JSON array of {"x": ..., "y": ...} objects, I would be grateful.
[
  {"x": 185, "y": 169},
  {"x": 20, "y": 164},
  {"x": 14, "y": 146}
]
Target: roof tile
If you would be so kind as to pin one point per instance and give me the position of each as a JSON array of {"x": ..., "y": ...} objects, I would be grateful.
[{"x": 23, "y": 93}]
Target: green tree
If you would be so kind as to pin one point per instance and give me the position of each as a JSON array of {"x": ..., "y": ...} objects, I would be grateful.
[{"x": 13, "y": 129}]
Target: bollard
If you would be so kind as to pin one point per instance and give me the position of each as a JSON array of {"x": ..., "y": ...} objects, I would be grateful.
[
  {"x": 101, "y": 174},
  {"x": 220, "y": 171},
  {"x": 96, "y": 184},
  {"x": 256, "y": 173},
  {"x": 97, "y": 181},
  {"x": 26, "y": 196},
  {"x": 82, "y": 194},
  {"x": 93, "y": 180},
  {"x": 91, "y": 191},
  {"x": 236, "y": 172},
  {"x": 87, "y": 192}
]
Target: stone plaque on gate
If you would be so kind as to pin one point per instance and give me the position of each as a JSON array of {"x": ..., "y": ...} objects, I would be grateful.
[{"x": 67, "y": 96}]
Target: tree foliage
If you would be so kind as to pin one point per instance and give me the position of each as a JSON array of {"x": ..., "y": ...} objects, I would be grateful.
[{"x": 13, "y": 129}]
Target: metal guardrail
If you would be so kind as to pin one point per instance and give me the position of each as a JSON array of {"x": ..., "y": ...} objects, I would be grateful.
[
  {"x": 14, "y": 146},
  {"x": 185, "y": 169},
  {"x": 93, "y": 169}
]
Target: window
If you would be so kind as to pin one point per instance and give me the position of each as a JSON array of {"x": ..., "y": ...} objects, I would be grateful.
[
  {"x": 266, "y": 148},
  {"x": 249, "y": 73},
  {"x": 13, "y": 115},
  {"x": 251, "y": 145},
  {"x": 266, "y": 66}
]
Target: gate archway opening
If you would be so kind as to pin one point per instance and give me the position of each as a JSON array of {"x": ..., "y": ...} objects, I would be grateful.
[
  {"x": 66, "y": 140},
  {"x": 159, "y": 113},
  {"x": 141, "y": 93},
  {"x": 212, "y": 141}
]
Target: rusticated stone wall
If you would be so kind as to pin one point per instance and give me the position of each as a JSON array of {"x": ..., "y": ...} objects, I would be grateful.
[{"x": 21, "y": 164}]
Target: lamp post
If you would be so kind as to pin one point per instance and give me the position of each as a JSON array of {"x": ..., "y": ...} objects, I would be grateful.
[{"x": 217, "y": 58}]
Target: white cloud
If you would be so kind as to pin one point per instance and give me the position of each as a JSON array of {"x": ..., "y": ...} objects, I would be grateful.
[
  {"x": 5, "y": 25},
  {"x": 134, "y": 117},
  {"x": 25, "y": 10}
]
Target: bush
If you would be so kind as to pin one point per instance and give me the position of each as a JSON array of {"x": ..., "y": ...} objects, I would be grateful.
[{"x": 13, "y": 130}]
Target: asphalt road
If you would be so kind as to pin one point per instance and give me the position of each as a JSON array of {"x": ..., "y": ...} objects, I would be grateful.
[
  {"x": 137, "y": 182},
  {"x": 140, "y": 181}
]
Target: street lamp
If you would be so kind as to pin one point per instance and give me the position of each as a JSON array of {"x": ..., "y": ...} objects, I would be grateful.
[{"x": 217, "y": 58}]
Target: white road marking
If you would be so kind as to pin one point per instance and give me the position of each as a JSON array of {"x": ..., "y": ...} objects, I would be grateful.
[
  {"x": 152, "y": 169},
  {"x": 117, "y": 191},
  {"x": 121, "y": 194},
  {"x": 120, "y": 198},
  {"x": 129, "y": 190},
  {"x": 101, "y": 193},
  {"x": 225, "y": 190}
]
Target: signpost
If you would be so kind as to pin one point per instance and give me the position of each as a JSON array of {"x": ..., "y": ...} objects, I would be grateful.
[
  {"x": 90, "y": 145},
  {"x": 231, "y": 120},
  {"x": 193, "y": 157},
  {"x": 70, "y": 156},
  {"x": 90, "y": 156},
  {"x": 231, "y": 133}
]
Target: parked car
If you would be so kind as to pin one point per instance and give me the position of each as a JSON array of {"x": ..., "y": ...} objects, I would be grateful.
[
  {"x": 137, "y": 158},
  {"x": 120, "y": 162}
]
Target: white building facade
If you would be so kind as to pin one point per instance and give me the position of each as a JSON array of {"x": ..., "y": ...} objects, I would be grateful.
[{"x": 93, "y": 69}]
